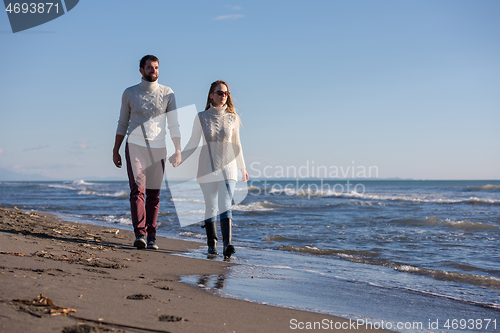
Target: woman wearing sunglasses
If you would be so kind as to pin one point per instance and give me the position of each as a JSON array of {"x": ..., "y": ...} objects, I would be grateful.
[{"x": 220, "y": 158}]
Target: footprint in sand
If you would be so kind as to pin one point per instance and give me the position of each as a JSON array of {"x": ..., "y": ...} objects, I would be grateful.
[
  {"x": 140, "y": 297},
  {"x": 171, "y": 318}
]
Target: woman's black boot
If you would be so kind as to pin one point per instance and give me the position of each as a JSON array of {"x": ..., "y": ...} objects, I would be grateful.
[
  {"x": 226, "y": 228},
  {"x": 211, "y": 229}
]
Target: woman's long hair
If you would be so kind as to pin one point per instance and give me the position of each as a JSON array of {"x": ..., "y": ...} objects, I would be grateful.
[{"x": 229, "y": 102}]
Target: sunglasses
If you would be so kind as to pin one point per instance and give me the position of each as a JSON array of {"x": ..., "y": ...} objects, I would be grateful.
[{"x": 222, "y": 93}]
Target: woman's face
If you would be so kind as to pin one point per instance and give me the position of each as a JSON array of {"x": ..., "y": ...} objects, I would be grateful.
[{"x": 219, "y": 96}]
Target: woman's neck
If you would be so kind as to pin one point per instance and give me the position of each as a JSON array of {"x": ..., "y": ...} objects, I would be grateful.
[{"x": 218, "y": 110}]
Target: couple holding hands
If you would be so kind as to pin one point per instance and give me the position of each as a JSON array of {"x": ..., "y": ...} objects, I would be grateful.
[{"x": 142, "y": 117}]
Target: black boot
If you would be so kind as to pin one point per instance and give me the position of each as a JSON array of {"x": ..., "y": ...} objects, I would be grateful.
[
  {"x": 211, "y": 229},
  {"x": 227, "y": 233}
]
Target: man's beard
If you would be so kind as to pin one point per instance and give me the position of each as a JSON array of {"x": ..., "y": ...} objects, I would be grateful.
[{"x": 150, "y": 78}]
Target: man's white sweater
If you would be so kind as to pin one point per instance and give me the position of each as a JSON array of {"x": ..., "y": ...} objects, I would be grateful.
[{"x": 144, "y": 109}]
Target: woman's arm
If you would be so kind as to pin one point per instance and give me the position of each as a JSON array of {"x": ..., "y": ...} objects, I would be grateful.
[
  {"x": 238, "y": 152},
  {"x": 193, "y": 141}
]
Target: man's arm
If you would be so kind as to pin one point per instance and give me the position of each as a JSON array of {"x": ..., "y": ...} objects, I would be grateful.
[
  {"x": 121, "y": 130},
  {"x": 117, "y": 159},
  {"x": 176, "y": 158},
  {"x": 174, "y": 129}
]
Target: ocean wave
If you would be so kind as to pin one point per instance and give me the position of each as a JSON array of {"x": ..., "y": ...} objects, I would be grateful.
[
  {"x": 474, "y": 200},
  {"x": 189, "y": 212},
  {"x": 276, "y": 238},
  {"x": 167, "y": 213},
  {"x": 488, "y": 187},
  {"x": 371, "y": 197},
  {"x": 315, "y": 191},
  {"x": 71, "y": 185},
  {"x": 116, "y": 219},
  {"x": 368, "y": 203},
  {"x": 475, "y": 279},
  {"x": 374, "y": 197},
  {"x": 370, "y": 258},
  {"x": 119, "y": 194},
  {"x": 187, "y": 200},
  {"x": 254, "y": 189},
  {"x": 66, "y": 187},
  {"x": 312, "y": 192},
  {"x": 257, "y": 206},
  {"x": 81, "y": 182},
  {"x": 346, "y": 254},
  {"x": 192, "y": 235},
  {"x": 83, "y": 189},
  {"x": 436, "y": 222}
]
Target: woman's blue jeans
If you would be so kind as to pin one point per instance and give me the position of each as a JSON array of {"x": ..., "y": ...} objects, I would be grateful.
[{"x": 218, "y": 195}]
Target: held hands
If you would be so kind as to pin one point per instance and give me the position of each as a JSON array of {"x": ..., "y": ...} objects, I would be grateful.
[{"x": 175, "y": 159}]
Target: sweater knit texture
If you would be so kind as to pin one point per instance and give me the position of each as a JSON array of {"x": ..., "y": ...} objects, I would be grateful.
[
  {"x": 148, "y": 104},
  {"x": 221, "y": 158}
]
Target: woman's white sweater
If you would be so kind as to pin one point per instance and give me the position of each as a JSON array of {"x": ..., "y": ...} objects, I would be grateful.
[{"x": 221, "y": 158}]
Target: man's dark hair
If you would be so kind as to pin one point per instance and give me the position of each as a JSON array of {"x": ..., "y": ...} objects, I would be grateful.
[{"x": 146, "y": 58}]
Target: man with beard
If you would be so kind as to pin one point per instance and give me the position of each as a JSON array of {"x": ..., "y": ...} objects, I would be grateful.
[{"x": 142, "y": 117}]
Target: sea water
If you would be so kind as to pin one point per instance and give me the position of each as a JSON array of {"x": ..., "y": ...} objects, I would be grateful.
[{"x": 398, "y": 252}]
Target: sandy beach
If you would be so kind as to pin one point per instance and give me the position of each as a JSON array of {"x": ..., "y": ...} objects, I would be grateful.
[{"x": 62, "y": 276}]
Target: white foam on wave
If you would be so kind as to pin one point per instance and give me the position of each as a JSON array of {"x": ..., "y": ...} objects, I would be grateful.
[
  {"x": 81, "y": 187},
  {"x": 313, "y": 191},
  {"x": 353, "y": 192},
  {"x": 192, "y": 235},
  {"x": 475, "y": 279},
  {"x": 189, "y": 212},
  {"x": 117, "y": 219},
  {"x": 81, "y": 182},
  {"x": 71, "y": 185},
  {"x": 287, "y": 268},
  {"x": 415, "y": 199},
  {"x": 467, "y": 224},
  {"x": 187, "y": 200},
  {"x": 434, "y": 221},
  {"x": 406, "y": 268},
  {"x": 375, "y": 197},
  {"x": 475, "y": 200},
  {"x": 487, "y": 187},
  {"x": 103, "y": 194},
  {"x": 254, "y": 188},
  {"x": 369, "y": 203},
  {"x": 257, "y": 206},
  {"x": 66, "y": 187}
]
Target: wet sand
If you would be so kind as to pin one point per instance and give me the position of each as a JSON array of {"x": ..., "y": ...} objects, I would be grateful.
[{"x": 59, "y": 276}]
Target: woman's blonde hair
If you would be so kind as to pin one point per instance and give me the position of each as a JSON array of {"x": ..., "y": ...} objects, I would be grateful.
[{"x": 229, "y": 102}]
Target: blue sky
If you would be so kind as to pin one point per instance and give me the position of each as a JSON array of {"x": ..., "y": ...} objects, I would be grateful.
[{"x": 411, "y": 87}]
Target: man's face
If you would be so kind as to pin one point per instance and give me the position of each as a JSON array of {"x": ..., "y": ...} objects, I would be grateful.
[{"x": 150, "y": 71}]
